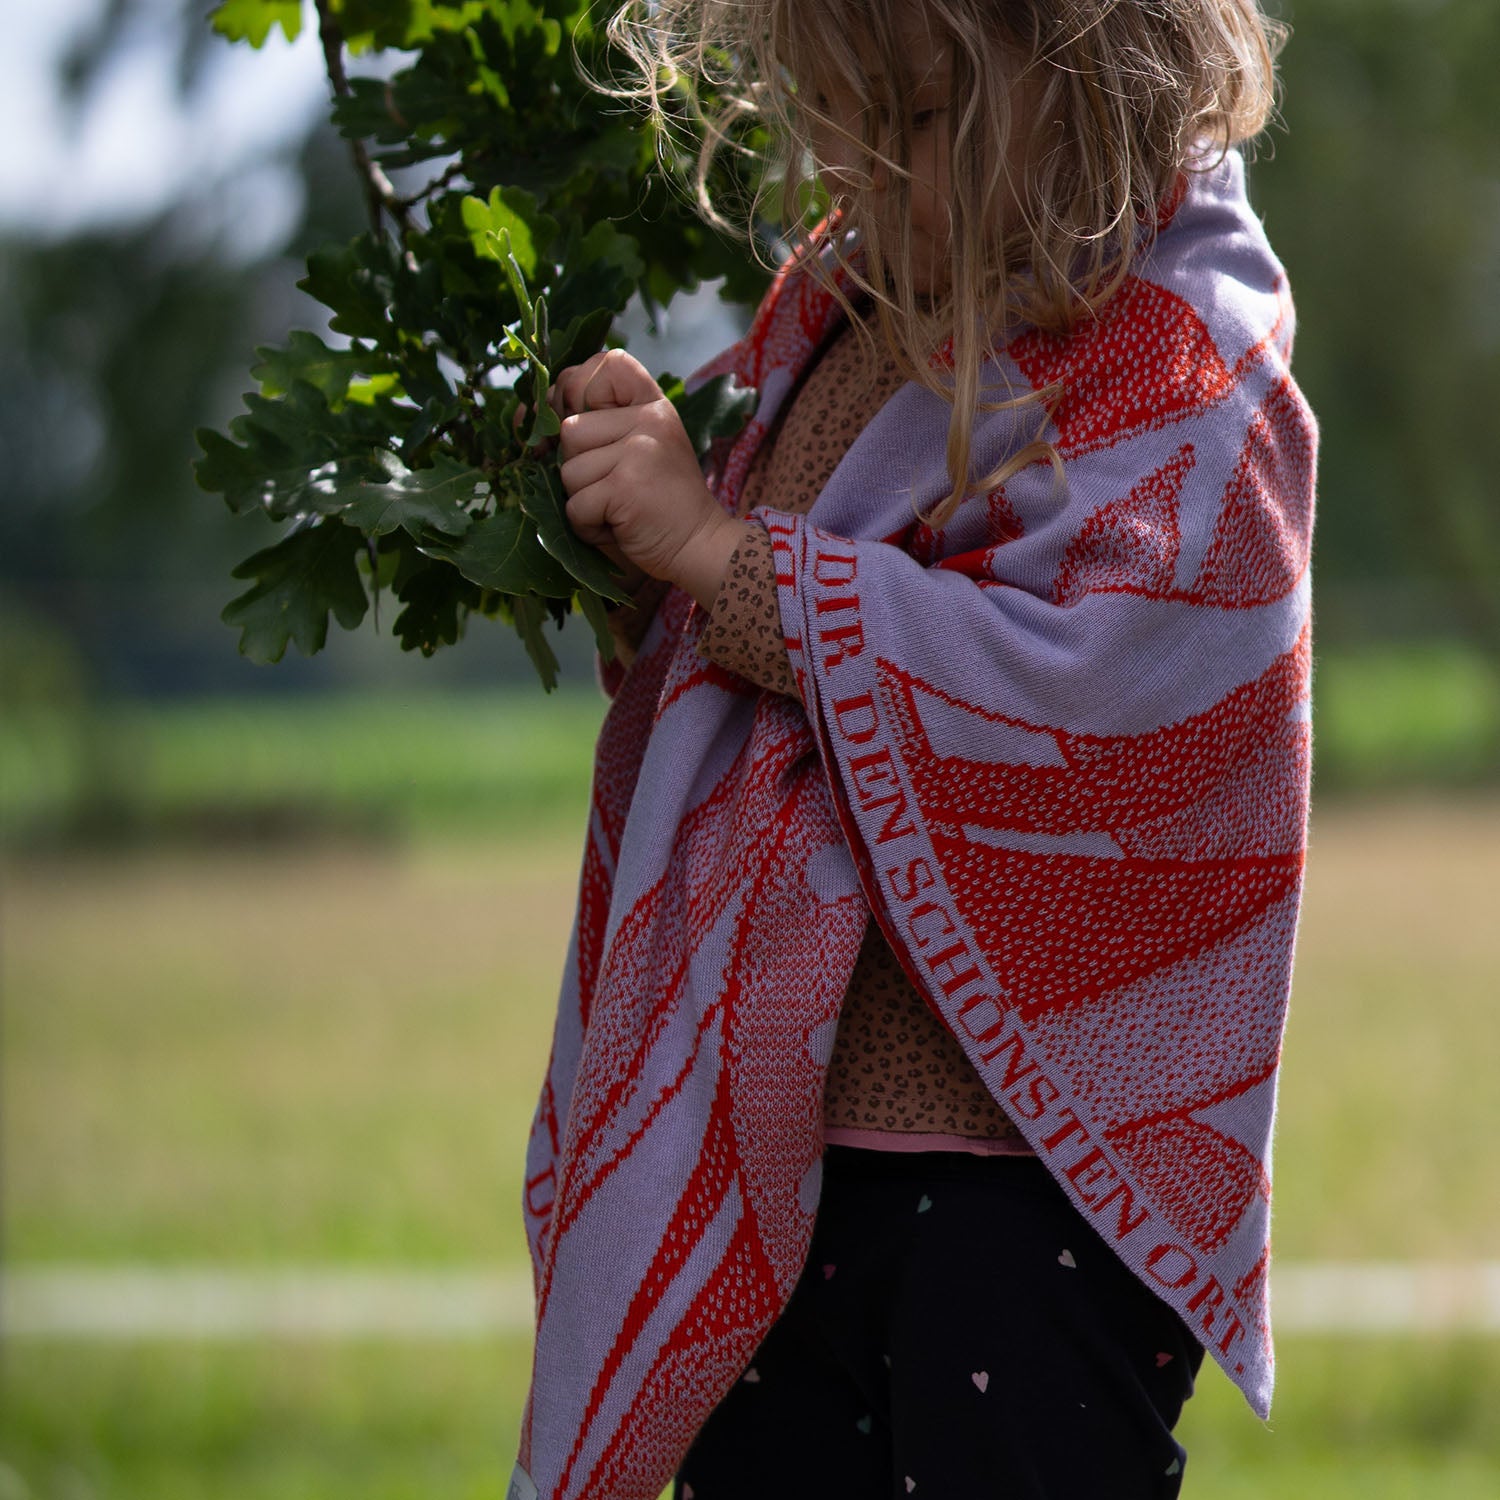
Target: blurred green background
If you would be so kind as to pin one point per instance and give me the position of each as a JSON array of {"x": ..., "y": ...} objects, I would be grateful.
[{"x": 280, "y": 945}]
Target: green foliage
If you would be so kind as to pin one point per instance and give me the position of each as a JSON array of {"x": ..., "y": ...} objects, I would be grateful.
[
  {"x": 415, "y": 454},
  {"x": 298, "y": 582},
  {"x": 251, "y": 20},
  {"x": 1380, "y": 197},
  {"x": 715, "y": 410}
]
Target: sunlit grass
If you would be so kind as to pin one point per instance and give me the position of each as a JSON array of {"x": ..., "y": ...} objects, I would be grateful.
[
  {"x": 293, "y": 1421},
  {"x": 329, "y": 1053},
  {"x": 1387, "y": 1119},
  {"x": 300, "y": 1054},
  {"x": 278, "y": 1055},
  {"x": 1354, "y": 1420}
]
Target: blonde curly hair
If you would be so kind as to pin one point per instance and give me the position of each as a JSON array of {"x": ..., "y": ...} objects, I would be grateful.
[{"x": 1107, "y": 102}]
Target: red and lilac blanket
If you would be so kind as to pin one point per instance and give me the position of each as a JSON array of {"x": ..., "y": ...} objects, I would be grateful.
[{"x": 1059, "y": 747}]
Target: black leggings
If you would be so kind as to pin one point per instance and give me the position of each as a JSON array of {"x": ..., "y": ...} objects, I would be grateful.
[{"x": 959, "y": 1333}]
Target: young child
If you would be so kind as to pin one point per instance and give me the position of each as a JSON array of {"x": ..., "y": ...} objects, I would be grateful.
[{"x": 907, "y": 1129}]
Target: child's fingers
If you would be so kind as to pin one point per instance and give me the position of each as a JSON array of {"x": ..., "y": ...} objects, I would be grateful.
[
  {"x": 610, "y": 378},
  {"x": 595, "y": 429},
  {"x": 586, "y": 511},
  {"x": 587, "y": 468},
  {"x": 619, "y": 380},
  {"x": 567, "y": 390}
]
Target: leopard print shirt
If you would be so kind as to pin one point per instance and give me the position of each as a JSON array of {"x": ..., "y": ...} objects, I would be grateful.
[{"x": 895, "y": 1068}]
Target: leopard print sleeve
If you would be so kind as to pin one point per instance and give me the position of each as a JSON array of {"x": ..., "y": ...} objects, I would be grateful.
[{"x": 744, "y": 633}]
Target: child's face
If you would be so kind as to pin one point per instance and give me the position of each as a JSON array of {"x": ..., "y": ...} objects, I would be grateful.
[{"x": 848, "y": 172}]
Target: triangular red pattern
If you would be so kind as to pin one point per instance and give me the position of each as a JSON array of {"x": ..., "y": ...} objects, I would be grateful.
[
  {"x": 617, "y": 760},
  {"x": 793, "y": 319},
  {"x": 712, "y": 1343},
  {"x": 693, "y": 671},
  {"x": 1002, "y": 525},
  {"x": 1064, "y": 929},
  {"x": 1106, "y": 783},
  {"x": 635, "y": 1012},
  {"x": 720, "y": 1328},
  {"x": 1001, "y": 519},
  {"x": 710, "y": 1183},
  {"x": 1148, "y": 361},
  {"x": 675, "y": 912},
  {"x": 669, "y": 911},
  {"x": 622, "y": 737},
  {"x": 1257, "y": 807},
  {"x": 1260, "y": 545},
  {"x": 1255, "y": 1278},
  {"x": 1129, "y": 546}
]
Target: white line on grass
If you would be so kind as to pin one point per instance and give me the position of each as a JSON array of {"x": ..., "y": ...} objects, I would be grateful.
[
  {"x": 1378, "y": 1297},
  {"x": 127, "y": 1302}
]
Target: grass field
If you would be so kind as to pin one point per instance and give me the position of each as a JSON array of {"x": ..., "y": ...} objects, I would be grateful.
[
  {"x": 1390, "y": 1421},
  {"x": 329, "y": 1054},
  {"x": 380, "y": 766},
  {"x": 333, "y": 1055},
  {"x": 362, "y": 768}
]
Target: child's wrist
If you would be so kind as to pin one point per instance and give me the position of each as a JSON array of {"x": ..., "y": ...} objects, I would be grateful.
[{"x": 700, "y": 566}]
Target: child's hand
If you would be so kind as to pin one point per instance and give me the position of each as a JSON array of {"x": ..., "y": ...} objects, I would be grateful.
[{"x": 633, "y": 479}]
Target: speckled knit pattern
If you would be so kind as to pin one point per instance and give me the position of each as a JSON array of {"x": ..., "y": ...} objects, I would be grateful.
[
  {"x": 897, "y": 1069},
  {"x": 833, "y": 405},
  {"x": 895, "y": 1066},
  {"x": 744, "y": 627}
]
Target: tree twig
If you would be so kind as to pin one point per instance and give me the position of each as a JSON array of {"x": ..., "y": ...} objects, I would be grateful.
[
  {"x": 454, "y": 170},
  {"x": 380, "y": 196}
]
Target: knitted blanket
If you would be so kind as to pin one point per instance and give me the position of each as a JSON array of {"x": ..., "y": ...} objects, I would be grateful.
[{"x": 1060, "y": 748}]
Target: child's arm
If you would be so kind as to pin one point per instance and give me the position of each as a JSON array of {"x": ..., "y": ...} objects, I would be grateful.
[
  {"x": 633, "y": 477},
  {"x": 743, "y": 632}
]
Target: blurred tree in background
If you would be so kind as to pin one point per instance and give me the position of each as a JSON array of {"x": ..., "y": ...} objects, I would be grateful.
[
  {"x": 114, "y": 344},
  {"x": 1382, "y": 194}
]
